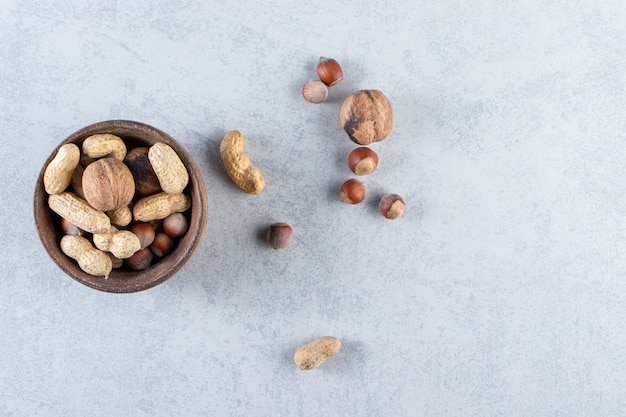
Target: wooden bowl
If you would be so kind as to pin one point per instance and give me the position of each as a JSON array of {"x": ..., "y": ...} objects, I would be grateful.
[{"x": 125, "y": 280}]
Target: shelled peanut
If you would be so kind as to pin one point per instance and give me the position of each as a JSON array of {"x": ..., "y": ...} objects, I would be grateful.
[{"x": 118, "y": 198}]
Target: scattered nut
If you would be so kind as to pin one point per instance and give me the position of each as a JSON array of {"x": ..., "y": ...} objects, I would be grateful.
[
  {"x": 366, "y": 116},
  {"x": 391, "y": 206},
  {"x": 175, "y": 225},
  {"x": 145, "y": 233},
  {"x": 108, "y": 184},
  {"x": 140, "y": 259},
  {"x": 362, "y": 161},
  {"x": 58, "y": 173},
  {"x": 315, "y": 91},
  {"x": 312, "y": 354},
  {"x": 146, "y": 180},
  {"x": 238, "y": 167},
  {"x": 352, "y": 191},
  {"x": 279, "y": 235},
  {"x": 162, "y": 245},
  {"x": 329, "y": 71}
]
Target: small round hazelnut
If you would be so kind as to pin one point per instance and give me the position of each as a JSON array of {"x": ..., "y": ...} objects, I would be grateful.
[
  {"x": 329, "y": 71},
  {"x": 145, "y": 233},
  {"x": 315, "y": 91},
  {"x": 163, "y": 245},
  {"x": 69, "y": 228},
  {"x": 175, "y": 225},
  {"x": 108, "y": 184},
  {"x": 140, "y": 259},
  {"x": 352, "y": 191},
  {"x": 279, "y": 235},
  {"x": 362, "y": 161},
  {"x": 391, "y": 206},
  {"x": 366, "y": 116}
]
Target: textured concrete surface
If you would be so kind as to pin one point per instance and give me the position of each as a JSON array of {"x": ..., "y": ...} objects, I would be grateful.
[{"x": 501, "y": 292}]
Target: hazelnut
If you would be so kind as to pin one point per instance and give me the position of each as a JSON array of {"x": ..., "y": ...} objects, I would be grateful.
[
  {"x": 140, "y": 259},
  {"x": 145, "y": 233},
  {"x": 315, "y": 91},
  {"x": 362, "y": 161},
  {"x": 146, "y": 180},
  {"x": 162, "y": 245},
  {"x": 329, "y": 71},
  {"x": 366, "y": 116},
  {"x": 69, "y": 228},
  {"x": 352, "y": 191},
  {"x": 115, "y": 261},
  {"x": 391, "y": 206},
  {"x": 175, "y": 225},
  {"x": 279, "y": 235},
  {"x": 108, "y": 184}
]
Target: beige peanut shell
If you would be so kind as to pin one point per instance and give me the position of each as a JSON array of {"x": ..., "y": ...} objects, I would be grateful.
[
  {"x": 79, "y": 213},
  {"x": 103, "y": 144},
  {"x": 169, "y": 169},
  {"x": 58, "y": 173},
  {"x": 121, "y": 217},
  {"x": 159, "y": 206},
  {"x": 238, "y": 166},
  {"x": 312, "y": 354},
  {"x": 91, "y": 260},
  {"x": 121, "y": 243}
]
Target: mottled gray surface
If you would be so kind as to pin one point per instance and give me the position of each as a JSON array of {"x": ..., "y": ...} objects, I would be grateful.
[{"x": 501, "y": 292}]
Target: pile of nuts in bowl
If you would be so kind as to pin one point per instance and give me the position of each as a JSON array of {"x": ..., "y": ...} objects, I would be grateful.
[{"x": 118, "y": 206}]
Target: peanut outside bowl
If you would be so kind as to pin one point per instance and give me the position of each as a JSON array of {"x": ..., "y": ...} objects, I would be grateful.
[{"x": 125, "y": 280}]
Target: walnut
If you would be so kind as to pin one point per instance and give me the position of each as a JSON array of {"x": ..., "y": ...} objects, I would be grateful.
[
  {"x": 108, "y": 184},
  {"x": 366, "y": 116}
]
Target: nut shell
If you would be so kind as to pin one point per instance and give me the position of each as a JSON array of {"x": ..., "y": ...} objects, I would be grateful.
[
  {"x": 366, "y": 116},
  {"x": 391, "y": 206},
  {"x": 146, "y": 180},
  {"x": 108, "y": 184},
  {"x": 352, "y": 192}
]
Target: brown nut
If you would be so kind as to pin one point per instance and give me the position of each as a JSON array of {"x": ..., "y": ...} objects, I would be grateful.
[
  {"x": 312, "y": 354},
  {"x": 329, "y": 71},
  {"x": 146, "y": 180},
  {"x": 352, "y": 192},
  {"x": 366, "y": 116},
  {"x": 140, "y": 259},
  {"x": 175, "y": 225},
  {"x": 145, "y": 233},
  {"x": 315, "y": 91},
  {"x": 391, "y": 206},
  {"x": 163, "y": 245},
  {"x": 70, "y": 229},
  {"x": 108, "y": 184},
  {"x": 279, "y": 235},
  {"x": 362, "y": 161}
]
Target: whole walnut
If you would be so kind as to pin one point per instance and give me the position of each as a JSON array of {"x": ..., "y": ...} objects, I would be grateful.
[
  {"x": 108, "y": 184},
  {"x": 146, "y": 180},
  {"x": 366, "y": 116}
]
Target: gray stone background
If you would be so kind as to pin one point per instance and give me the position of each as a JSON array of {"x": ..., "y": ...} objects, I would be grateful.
[{"x": 500, "y": 292}]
